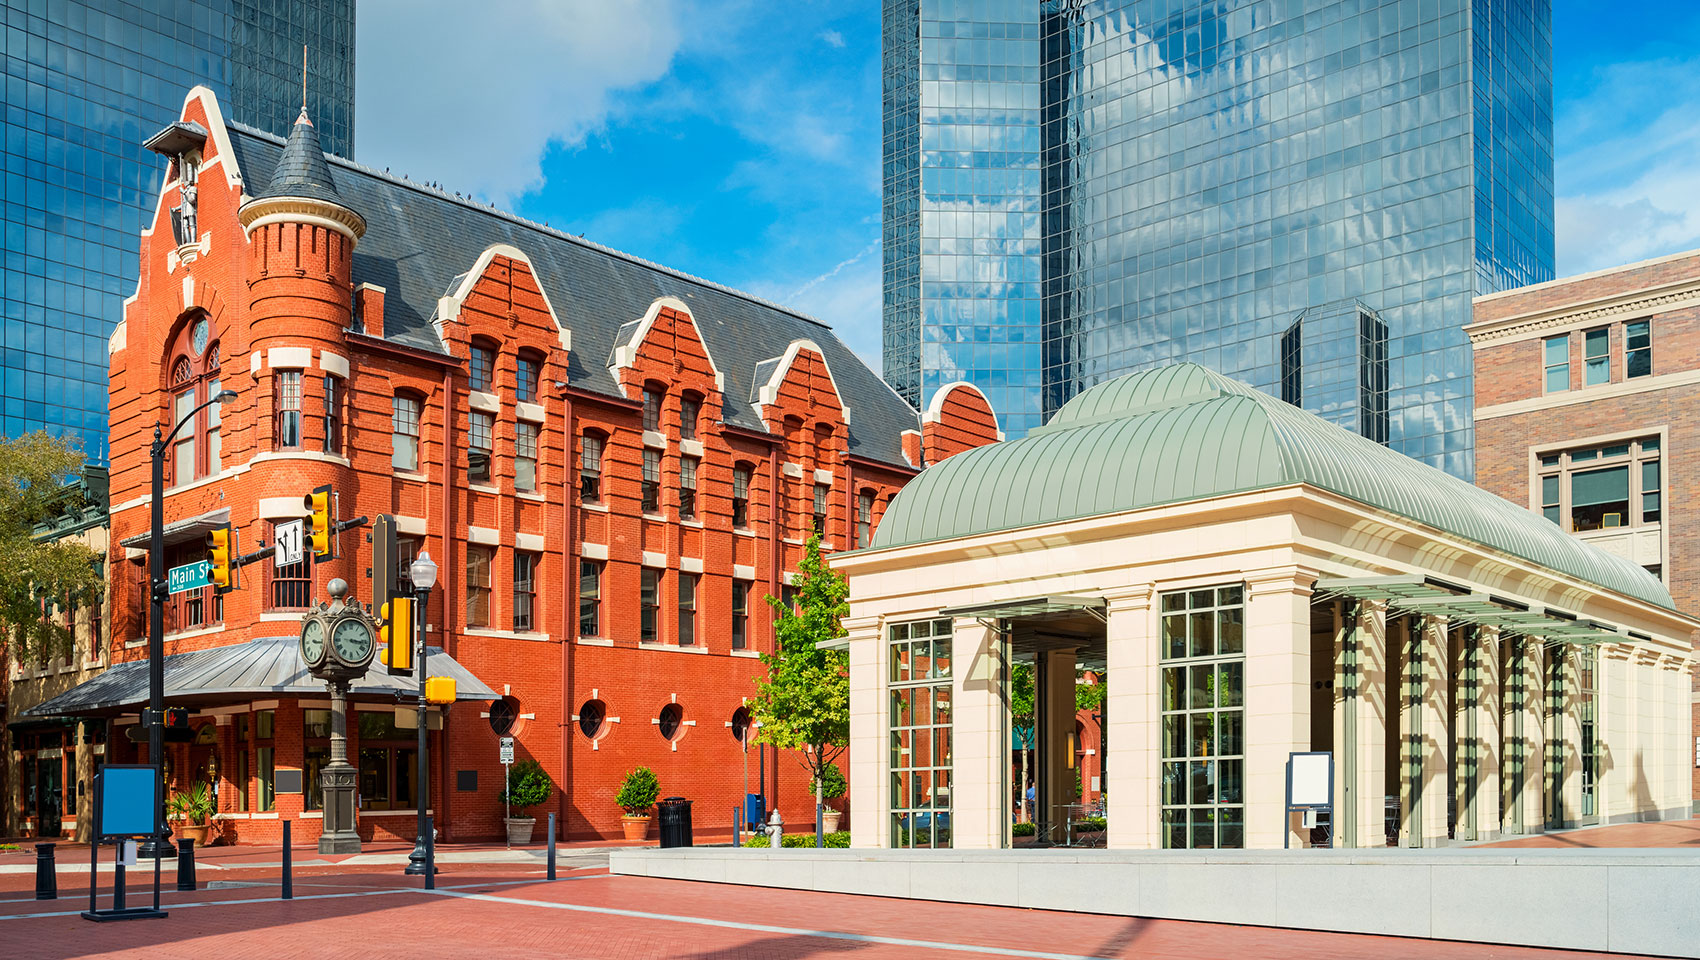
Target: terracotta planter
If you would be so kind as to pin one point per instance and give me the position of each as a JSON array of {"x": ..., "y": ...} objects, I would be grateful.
[
  {"x": 829, "y": 819},
  {"x": 636, "y": 828},
  {"x": 520, "y": 830},
  {"x": 193, "y": 831}
]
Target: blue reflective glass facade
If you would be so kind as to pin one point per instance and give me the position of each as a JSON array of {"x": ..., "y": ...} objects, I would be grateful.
[
  {"x": 1212, "y": 173},
  {"x": 85, "y": 84}
]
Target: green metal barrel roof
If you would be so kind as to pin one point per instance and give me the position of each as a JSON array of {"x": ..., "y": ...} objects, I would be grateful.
[{"x": 1184, "y": 432}]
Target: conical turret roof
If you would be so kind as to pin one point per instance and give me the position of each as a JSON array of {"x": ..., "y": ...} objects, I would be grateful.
[{"x": 302, "y": 170}]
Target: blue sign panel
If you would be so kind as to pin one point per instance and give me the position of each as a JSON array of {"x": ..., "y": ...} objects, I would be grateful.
[{"x": 125, "y": 801}]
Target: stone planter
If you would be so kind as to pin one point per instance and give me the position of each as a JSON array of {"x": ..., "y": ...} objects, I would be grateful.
[
  {"x": 520, "y": 830},
  {"x": 636, "y": 827},
  {"x": 829, "y": 819}
]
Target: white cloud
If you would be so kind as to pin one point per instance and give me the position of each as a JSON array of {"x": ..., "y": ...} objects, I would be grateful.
[
  {"x": 472, "y": 94},
  {"x": 833, "y": 38},
  {"x": 1627, "y": 182}
]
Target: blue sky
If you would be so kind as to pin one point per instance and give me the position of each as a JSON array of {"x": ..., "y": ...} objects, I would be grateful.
[{"x": 740, "y": 140}]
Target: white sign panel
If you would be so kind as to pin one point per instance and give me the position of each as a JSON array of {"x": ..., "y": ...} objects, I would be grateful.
[
  {"x": 1309, "y": 780},
  {"x": 291, "y": 538},
  {"x": 507, "y": 749}
]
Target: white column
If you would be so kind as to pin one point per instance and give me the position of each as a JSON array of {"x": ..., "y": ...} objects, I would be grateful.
[
  {"x": 1620, "y": 779},
  {"x": 979, "y": 738},
  {"x": 1360, "y": 684},
  {"x": 1488, "y": 752},
  {"x": 1436, "y": 738},
  {"x": 1571, "y": 725},
  {"x": 1534, "y": 737},
  {"x": 1133, "y": 734},
  {"x": 870, "y": 822},
  {"x": 1277, "y": 697}
]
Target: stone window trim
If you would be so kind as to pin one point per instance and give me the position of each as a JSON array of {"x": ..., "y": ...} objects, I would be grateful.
[{"x": 1553, "y": 467}]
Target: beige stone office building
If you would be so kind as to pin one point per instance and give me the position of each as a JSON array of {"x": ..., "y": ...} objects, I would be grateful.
[{"x": 1254, "y": 582}]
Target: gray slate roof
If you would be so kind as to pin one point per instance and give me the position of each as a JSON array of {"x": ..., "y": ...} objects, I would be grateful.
[
  {"x": 263, "y": 666},
  {"x": 301, "y": 171},
  {"x": 419, "y": 239}
]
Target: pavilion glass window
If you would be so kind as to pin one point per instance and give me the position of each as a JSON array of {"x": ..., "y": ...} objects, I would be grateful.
[
  {"x": 1202, "y": 767},
  {"x": 525, "y": 456},
  {"x": 740, "y": 614},
  {"x": 527, "y": 371},
  {"x": 687, "y": 488},
  {"x": 1588, "y": 720},
  {"x": 688, "y": 608},
  {"x": 741, "y": 476},
  {"x": 288, "y": 409},
  {"x": 690, "y": 410},
  {"x": 1556, "y": 354},
  {"x": 1638, "y": 349},
  {"x": 478, "y": 562},
  {"x": 920, "y": 698},
  {"x": 1596, "y": 357},
  {"x": 590, "y": 469},
  {"x": 333, "y": 415},
  {"x": 480, "y": 441},
  {"x": 481, "y": 373},
  {"x": 649, "y": 605},
  {"x": 651, "y": 481},
  {"x": 404, "y": 432},
  {"x": 590, "y": 598},
  {"x": 525, "y": 591},
  {"x": 1602, "y": 486}
]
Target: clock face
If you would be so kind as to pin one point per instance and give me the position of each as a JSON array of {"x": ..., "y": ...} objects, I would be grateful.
[
  {"x": 353, "y": 641},
  {"x": 313, "y": 642},
  {"x": 200, "y": 335}
]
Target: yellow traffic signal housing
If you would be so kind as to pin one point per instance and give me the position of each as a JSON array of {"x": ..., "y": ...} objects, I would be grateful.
[
  {"x": 396, "y": 634},
  {"x": 439, "y": 690},
  {"x": 218, "y": 549},
  {"x": 318, "y": 505}
]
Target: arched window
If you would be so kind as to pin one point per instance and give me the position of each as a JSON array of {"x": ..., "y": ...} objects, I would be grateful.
[
  {"x": 527, "y": 372},
  {"x": 654, "y": 394},
  {"x": 690, "y": 411},
  {"x": 481, "y": 371},
  {"x": 193, "y": 379},
  {"x": 864, "y": 517},
  {"x": 590, "y": 467},
  {"x": 743, "y": 473},
  {"x": 404, "y": 432}
]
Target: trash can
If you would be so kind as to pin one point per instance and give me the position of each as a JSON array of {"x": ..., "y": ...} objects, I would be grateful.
[{"x": 675, "y": 816}]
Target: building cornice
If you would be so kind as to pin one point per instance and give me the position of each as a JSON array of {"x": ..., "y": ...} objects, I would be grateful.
[
  {"x": 1585, "y": 313},
  {"x": 258, "y": 213}
]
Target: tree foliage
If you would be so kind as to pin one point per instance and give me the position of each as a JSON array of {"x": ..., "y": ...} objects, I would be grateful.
[
  {"x": 803, "y": 703},
  {"x": 40, "y": 577}
]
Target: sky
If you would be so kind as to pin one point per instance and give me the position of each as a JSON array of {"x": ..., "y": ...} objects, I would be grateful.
[{"x": 739, "y": 140}]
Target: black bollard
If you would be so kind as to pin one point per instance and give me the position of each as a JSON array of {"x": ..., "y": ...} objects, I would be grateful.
[
  {"x": 47, "y": 878},
  {"x": 288, "y": 881},
  {"x": 551, "y": 846},
  {"x": 430, "y": 854},
  {"x": 185, "y": 864}
]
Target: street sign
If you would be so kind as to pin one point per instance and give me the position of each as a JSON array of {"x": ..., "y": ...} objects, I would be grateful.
[
  {"x": 291, "y": 537},
  {"x": 190, "y": 576},
  {"x": 507, "y": 750}
]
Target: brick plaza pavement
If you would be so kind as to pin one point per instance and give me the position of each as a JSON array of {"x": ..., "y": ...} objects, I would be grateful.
[
  {"x": 1670, "y": 833},
  {"x": 510, "y": 911}
]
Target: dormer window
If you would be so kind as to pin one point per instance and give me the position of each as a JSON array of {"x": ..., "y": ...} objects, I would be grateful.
[
  {"x": 526, "y": 374},
  {"x": 652, "y": 397},
  {"x": 690, "y": 409},
  {"x": 482, "y": 371}
]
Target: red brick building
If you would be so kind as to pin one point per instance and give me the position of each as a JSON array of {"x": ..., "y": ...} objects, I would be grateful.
[
  {"x": 1588, "y": 410},
  {"x": 612, "y": 463}
]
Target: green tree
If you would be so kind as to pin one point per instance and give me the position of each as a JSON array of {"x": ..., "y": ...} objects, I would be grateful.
[
  {"x": 803, "y": 703},
  {"x": 1021, "y": 718},
  {"x": 38, "y": 576}
]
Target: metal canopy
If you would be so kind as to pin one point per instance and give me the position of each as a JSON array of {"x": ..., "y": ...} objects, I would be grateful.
[
  {"x": 183, "y": 531},
  {"x": 260, "y": 668},
  {"x": 1031, "y": 608},
  {"x": 1418, "y": 594}
]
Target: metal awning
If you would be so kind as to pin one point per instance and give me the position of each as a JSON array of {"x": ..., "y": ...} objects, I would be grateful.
[
  {"x": 1031, "y": 608},
  {"x": 1416, "y": 593},
  {"x": 183, "y": 531},
  {"x": 264, "y": 667}
]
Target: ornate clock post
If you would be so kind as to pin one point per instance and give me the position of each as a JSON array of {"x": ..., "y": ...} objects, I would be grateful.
[{"x": 337, "y": 642}]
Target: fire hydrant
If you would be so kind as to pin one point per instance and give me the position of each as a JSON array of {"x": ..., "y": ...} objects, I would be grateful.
[{"x": 775, "y": 830}]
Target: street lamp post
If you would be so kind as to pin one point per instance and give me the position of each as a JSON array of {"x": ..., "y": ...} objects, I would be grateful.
[
  {"x": 159, "y": 845},
  {"x": 423, "y": 572}
]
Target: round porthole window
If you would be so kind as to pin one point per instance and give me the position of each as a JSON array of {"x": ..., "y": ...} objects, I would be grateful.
[
  {"x": 502, "y": 716},
  {"x": 741, "y": 724},
  {"x": 671, "y": 718},
  {"x": 592, "y": 718}
]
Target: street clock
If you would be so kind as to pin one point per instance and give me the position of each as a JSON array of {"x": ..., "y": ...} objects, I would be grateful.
[{"x": 338, "y": 638}]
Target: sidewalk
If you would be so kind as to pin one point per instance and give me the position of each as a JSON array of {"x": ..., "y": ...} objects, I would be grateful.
[{"x": 1674, "y": 834}]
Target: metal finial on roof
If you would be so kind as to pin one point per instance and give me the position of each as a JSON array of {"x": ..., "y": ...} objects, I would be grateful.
[{"x": 303, "y": 80}]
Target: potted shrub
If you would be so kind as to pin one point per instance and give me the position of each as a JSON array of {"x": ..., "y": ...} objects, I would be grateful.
[
  {"x": 637, "y": 798},
  {"x": 528, "y": 786},
  {"x": 832, "y": 787},
  {"x": 191, "y": 812}
]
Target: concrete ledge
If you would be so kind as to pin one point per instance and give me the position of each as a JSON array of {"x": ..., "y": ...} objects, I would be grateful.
[{"x": 1620, "y": 900}]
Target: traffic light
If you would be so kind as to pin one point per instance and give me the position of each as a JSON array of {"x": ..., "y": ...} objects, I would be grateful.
[
  {"x": 396, "y": 633},
  {"x": 319, "y": 522},
  {"x": 218, "y": 550},
  {"x": 439, "y": 690}
]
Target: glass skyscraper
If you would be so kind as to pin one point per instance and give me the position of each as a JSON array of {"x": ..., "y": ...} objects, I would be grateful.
[
  {"x": 85, "y": 84},
  {"x": 1303, "y": 194}
]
